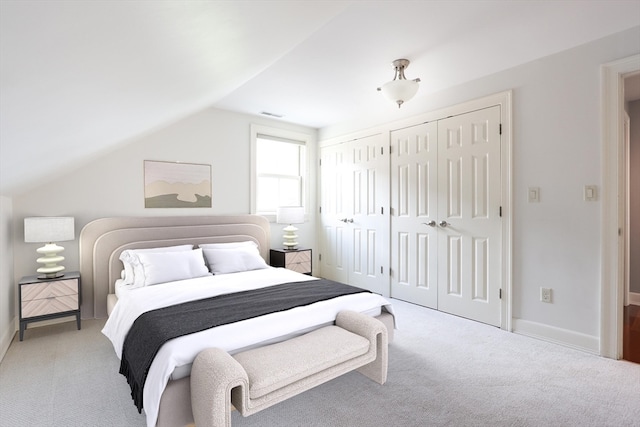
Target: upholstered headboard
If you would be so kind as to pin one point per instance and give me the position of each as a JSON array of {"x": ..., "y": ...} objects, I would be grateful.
[{"x": 102, "y": 241}]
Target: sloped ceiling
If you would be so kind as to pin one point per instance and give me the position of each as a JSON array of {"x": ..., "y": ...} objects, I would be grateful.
[{"x": 78, "y": 78}]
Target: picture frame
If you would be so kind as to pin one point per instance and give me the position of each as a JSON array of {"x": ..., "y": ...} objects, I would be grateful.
[{"x": 176, "y": 185}]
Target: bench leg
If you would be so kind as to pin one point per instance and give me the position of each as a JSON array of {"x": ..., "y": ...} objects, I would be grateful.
[
  {"x": 377, "y": 370},
  {"x": 374, "y": 330},
  {"x": 213, "y": 375}
]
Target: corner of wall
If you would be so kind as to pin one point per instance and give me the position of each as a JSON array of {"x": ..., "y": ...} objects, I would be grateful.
[
  {"x": 8, "y": 333},
  {"x": 7, "y": 288}
]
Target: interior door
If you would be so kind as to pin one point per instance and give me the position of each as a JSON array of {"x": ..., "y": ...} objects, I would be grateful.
[
  {"x": 446, "y": 225},
  {"x": 333, "y": 236},
  {"x": 469, "y": 223},
  {"x": 367, "y": 223},
  {"x": 414, "y": 233},
  {"x": 354, "y": 189}
]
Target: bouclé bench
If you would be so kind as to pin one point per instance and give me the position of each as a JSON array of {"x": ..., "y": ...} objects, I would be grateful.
[{"x": 256, "y": 379}]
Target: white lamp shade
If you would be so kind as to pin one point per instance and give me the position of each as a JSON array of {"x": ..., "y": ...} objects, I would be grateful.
[
  {"x": 48, "y": 229},
  {"x": 290, "y": 215},
  {"x": 400, "y": 90}
]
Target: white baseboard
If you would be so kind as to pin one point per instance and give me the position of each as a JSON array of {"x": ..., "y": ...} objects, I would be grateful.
[
  {"x": 577, "y": 340},
  {"x": 7, "y": 337},
  {"x": 634, "y": 298}
]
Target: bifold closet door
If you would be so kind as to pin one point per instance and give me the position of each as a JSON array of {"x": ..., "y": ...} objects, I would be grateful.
[
  {"x": 368, "y": 225},
  {"x": 354, "y": 191},
  {"x": 469, "y": 222},
  {"x": 333, "y": 210},
  {"x": 414, "y": 203},
  {"x": 445, "y": 223}
]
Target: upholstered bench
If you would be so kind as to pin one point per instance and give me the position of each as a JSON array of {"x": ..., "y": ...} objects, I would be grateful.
[{"x": 256, "y": 379}]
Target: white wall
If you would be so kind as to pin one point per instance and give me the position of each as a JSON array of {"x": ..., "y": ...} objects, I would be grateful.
[
  {"x": 557, "y": 147},
  {"x": 8, "y": 311},
  {"x": 113, "y": 184}
]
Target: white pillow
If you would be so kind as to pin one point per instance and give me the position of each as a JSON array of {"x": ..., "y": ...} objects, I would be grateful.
[
  {"x": 233, "y": 260},
  {"x": 162, "y": 267},
  {"x": 229, "y": 245},
  {"x": 131, "y": 263}
]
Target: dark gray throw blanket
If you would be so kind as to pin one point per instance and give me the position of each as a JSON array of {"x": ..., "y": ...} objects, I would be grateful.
[{"x": 153, "y": 328}]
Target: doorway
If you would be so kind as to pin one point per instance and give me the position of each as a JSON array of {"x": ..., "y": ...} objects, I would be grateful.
[
  {"x": 631, "y": 135},
  {"x": 614, "y": 226}
]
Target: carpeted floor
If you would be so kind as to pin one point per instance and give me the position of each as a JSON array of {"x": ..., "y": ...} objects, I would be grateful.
[{"x": 444, "y": 371}]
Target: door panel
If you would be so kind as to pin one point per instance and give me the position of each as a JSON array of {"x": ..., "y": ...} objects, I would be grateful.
[
  {"x": 333, "y": 261},
  {"x": 413, "y": 205},
  {"x": 369, "y": 187},
  {"x": 469, "y": 191},
  {"x": 355, "y": 186}
]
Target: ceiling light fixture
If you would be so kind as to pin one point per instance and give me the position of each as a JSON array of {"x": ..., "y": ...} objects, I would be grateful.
[{"x": 400, "y": 89}]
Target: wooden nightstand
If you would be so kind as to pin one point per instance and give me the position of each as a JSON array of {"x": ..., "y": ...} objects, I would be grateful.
[
  {"x": 42, "y": 299},
  {"x": 293, "y": 259}
]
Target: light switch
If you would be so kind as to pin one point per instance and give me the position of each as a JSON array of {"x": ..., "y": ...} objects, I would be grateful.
[
  {"x": 534, "y": 194},
  {"x": 590, "y": 193}
]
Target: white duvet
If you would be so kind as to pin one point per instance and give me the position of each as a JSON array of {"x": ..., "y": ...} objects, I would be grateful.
[{"x": 233, "y": 337}]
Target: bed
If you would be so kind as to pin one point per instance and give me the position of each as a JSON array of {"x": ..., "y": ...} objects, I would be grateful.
[{"x": 166, "y": 397}]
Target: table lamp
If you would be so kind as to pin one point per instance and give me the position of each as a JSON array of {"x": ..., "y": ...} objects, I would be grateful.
[
  {"x": 290, "y": 215},
  {"x": 49, "y": 230}
]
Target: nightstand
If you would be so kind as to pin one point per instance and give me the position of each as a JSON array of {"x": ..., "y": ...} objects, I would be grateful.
[
  {"x": 293, "y": 259},
  {"x": 43, "y": 299}
]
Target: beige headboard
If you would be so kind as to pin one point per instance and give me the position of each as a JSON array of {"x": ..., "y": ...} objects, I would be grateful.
[{"x": 102, "y": 241}]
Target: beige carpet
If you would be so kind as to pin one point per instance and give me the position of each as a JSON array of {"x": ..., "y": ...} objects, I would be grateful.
[{"x": 444, "y": 371}]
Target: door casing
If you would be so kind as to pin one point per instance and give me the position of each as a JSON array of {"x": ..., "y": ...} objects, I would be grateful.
[{"x": 613, "y": 187}]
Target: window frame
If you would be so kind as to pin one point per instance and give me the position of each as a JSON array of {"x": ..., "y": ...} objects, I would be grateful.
[{"x": 283, "y": 135}]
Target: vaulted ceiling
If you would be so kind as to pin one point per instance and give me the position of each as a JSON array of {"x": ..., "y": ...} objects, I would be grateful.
[{"x": 78, "y": 78}]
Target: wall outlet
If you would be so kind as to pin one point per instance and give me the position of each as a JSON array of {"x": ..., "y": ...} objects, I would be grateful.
[{"x": 545, "y": 294}]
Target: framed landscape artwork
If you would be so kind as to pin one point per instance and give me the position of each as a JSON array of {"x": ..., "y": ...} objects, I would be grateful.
[{"x": 176, "y": 185}]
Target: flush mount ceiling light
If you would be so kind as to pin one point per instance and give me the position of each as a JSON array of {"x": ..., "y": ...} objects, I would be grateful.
[{"x": 400, "y": 89}]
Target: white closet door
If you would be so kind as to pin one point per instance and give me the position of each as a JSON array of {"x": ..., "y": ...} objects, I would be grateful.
[
  {"x": 367, "y": 223},
  {"x": 448, "y": 172},
  {"x": 469, "y": 244},
  {"x": 414, "y": 233},
  {"x": 333, "y": 239},
  {"x": 354, "y": 237}
]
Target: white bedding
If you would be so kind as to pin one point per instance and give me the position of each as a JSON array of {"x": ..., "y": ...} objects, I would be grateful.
[{"x": 233, "y": 337}]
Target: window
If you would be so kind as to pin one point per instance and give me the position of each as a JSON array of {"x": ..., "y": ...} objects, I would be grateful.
[{"x": 279, "y": 169}]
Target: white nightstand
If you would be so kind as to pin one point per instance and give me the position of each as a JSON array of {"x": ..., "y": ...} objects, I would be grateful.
[{"x": 42, "y": 299}]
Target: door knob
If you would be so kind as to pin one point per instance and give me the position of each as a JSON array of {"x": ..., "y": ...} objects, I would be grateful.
[
  {"x": 350, "y": 220},
  {"x": 443, "y": 223},
  {"x": 431, "y": 223}
]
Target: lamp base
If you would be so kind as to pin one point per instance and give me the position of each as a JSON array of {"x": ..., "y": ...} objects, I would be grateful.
[
  {"x": 51, "y": 258},
  {"x": 51, "y": 276},
  {"x": 290, "y": 237}
]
